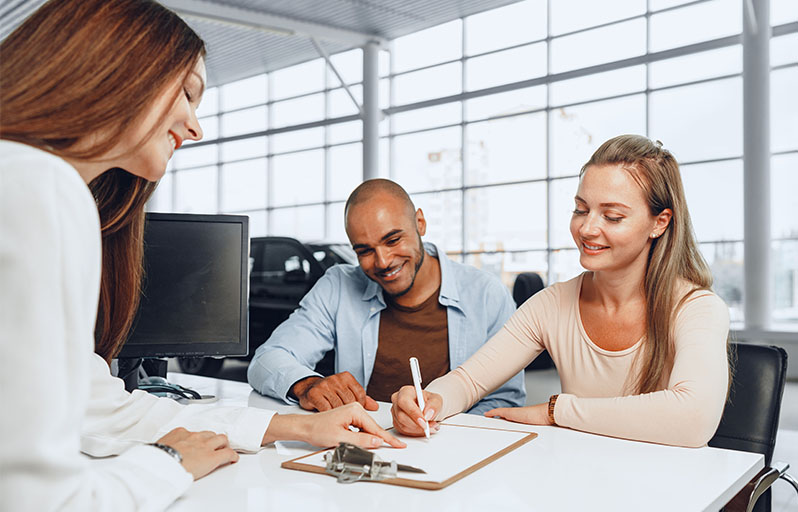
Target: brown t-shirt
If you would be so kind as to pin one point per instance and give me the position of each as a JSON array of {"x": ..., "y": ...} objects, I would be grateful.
[{"x": 420, "y": 332}]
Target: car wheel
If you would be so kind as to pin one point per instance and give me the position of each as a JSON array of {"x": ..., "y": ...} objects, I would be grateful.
[{"x": 206, "y": 366}]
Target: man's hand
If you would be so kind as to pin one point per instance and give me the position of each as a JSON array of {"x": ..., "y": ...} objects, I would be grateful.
[{"x": 323, "y": 394}]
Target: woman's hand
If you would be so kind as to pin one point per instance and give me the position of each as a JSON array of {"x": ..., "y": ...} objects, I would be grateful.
[
  {"x": 202, "y": 452},
  {"x": 531, "y": 414},
  {"x": 330, "y": 428},
  {"x": 408, "y": 418}
]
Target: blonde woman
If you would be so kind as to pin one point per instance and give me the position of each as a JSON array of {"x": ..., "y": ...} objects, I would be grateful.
[{"x": 639, "y": 339}]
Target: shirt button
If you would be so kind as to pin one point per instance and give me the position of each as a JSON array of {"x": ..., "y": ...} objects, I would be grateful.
[{"x": 373, "y": 309}]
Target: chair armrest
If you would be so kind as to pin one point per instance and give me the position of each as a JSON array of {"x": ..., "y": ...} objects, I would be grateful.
[
  {"x": 782, "y": 468},
  {"x": 761, "y": 484}
]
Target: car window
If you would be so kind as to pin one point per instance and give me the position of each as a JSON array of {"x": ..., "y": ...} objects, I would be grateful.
[
  {"x": 332, "y": 254},
  {"x": 282, "y": 257}
]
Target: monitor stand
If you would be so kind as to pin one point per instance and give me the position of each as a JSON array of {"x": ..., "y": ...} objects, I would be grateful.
[{"x": 129, "y": 370}]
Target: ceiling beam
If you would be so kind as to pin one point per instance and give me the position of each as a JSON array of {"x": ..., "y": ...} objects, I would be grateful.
[{"x": 248, "y": 18}]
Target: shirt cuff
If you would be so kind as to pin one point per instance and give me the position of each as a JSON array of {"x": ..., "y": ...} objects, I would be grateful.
[
  {"x": 292, "y": 378},
  {"x": 564, "y": 410},
  {"x": 166, "y": 478},
  {"x": 250, "y": 429}
]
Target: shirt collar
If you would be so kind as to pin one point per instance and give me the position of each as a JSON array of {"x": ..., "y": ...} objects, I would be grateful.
[{"x": 449, "y": 295}]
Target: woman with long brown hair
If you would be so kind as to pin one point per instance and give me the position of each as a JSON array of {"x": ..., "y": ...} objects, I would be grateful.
[
  {"x": 95, "y": 97},
  {"x": 639, "y": 340}
]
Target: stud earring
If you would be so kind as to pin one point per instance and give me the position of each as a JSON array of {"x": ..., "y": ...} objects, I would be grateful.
[{"x": 654, "y": 235}]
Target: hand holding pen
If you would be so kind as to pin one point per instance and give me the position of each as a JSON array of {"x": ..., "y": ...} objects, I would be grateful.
[
  {"x": 416, "y": 373},
  {"x": 413, "y": 409}
]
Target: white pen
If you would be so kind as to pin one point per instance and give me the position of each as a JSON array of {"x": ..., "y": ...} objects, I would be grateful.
[{"x": 416, "y": 371}]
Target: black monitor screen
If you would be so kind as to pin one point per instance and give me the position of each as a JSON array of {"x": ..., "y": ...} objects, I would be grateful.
[{"x": 195, "y": 289}]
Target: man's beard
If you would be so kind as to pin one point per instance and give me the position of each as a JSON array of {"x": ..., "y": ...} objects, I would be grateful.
[{"x": 415, "y": 273}]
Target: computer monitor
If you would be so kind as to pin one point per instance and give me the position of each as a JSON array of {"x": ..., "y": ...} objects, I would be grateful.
[{"x": 195, "y": 292}]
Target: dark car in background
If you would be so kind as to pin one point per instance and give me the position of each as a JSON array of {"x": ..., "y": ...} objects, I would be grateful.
[{"x": 282, "y": 271}]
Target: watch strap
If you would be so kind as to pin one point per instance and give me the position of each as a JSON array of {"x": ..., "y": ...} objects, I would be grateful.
[{"x": 171, "y": 451}]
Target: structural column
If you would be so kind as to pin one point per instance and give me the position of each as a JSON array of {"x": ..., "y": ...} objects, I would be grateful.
[
  {"x": 756, "y": 162},
  {"x": 371, "y": 111}
]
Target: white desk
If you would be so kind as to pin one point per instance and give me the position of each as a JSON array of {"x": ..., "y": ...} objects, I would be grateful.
[{"x": 561, "y": 470}]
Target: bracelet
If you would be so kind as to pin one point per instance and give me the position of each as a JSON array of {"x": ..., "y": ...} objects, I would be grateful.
[
  {"x": 171, "y": 451},
  {"x": 552, "y": 402}
]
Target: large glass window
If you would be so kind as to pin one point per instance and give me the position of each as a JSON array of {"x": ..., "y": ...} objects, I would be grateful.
[
  {"x": 688, "y": 25},
  {"x": 506, "y": 149},
  {"x": 196, "y": 190},
  {"x": 428, "y": 160},
  {"x": 505, "y": 67},
  {"x": 573, "y": 15},
  {"x": 243, "y": 93},
  {"x": 244, "y": 185},
  {"x": 715, "y": 127},
  {"x": 427, "y": 47},
  {"x": 577, "y": 131},
  {"x": 515, "y": 24},
  {"x": 298, "y": 178},
  {"x": 597, "y": 46},
  {"x": 509, "y": 217},
  {"x": 513, "y": 102}
]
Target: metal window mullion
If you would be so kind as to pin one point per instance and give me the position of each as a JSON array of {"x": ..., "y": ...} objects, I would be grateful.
[
  {"x": 391, "y": 122},
  {"x": 703, "y": 46},
  {"x": 548, "y": 79},
  {"x": 784, "y": 66},
  {"x": 756, "y": 165},
  {"x": 681, "y": 6},
  {"x": 784, "y": 29},
  {"x": 277, "y": 131},
  {"x": 269, "y": 159},
  {"x": 372, "y": 114},
  {"x": 465, "y": 57},
  {"x": 572, "y": 104},
  {"x": 219, "y": 179},
  {"x": 594, "y": 27},
  {"x": 549, "y": 251},
  {"x": 270, "y": 102},
  {"x": 331, "y": 68},
  {"x": 174, "y": 190},
  {"x": 648, "y": 70},
  {"x": 299, "y": 205},
  {"x": 327, "y": 171},
  {"x": 464, "y": 160},
  {"x": 711, "y": 160}
]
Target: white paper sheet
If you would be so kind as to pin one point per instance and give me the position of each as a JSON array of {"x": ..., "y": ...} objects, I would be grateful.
[{"x": 450, "y": 451}]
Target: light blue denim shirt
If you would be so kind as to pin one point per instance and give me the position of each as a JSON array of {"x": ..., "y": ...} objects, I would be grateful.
[{"x": 342, "y": 311}]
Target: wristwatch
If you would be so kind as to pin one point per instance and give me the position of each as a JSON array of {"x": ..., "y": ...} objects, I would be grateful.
[
  {"x": 552, "y": 402},
  {"x": 171, "y": 451}
]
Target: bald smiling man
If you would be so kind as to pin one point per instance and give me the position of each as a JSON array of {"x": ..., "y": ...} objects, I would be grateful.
[{"x": 405, "y": 298}]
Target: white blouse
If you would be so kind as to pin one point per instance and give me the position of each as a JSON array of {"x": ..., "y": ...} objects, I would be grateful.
[
  {"x": 57, "y": 396},
  {"x": 116, "y": 420}
]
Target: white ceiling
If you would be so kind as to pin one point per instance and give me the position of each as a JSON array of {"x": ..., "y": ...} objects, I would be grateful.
[{"x": 248, "y": 37}]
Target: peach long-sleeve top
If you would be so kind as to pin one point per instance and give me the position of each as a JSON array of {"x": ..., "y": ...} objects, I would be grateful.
[{"x": 597, "y": 384}]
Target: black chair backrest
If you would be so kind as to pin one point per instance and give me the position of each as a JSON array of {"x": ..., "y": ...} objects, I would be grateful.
[
  {"x": 751, "y": 417},
  {"x": 526, "y": 285}
]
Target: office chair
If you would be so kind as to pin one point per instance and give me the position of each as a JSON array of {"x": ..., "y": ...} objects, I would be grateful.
[
  {"x": 526, "y": 285},
  {"x": 751, "y": 419}
]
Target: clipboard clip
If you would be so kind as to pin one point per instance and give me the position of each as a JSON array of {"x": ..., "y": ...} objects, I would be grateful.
[{"x": 350, "y": 463}]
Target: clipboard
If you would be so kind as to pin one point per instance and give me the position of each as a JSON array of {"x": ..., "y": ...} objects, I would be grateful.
[{"x": 443, "y": 456}]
